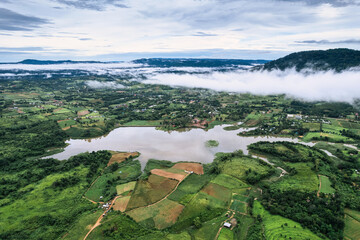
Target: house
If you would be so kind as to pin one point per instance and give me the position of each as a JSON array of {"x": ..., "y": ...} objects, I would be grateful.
[{"x": 227, "y": 225}]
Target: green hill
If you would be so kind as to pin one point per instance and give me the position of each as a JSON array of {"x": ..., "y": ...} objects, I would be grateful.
[{"x": 333, "y": 59}]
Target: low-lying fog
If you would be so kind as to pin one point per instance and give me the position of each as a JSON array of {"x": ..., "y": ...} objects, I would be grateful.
[{"x": 328, "y": 86}]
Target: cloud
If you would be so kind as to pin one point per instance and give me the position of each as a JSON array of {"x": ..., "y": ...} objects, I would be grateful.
[
  {"x": 98, "y": 5},
  {"x": 335, "y": 3},
  {"x": 98, "y": 84},
  {"x": 202, "y": 34},
  {"x": 326, "y": 86},
  {"x": 12, "y": 21},
  {"x": 85, "y": 39},
  {"x": 347, "y": 41},
  {"x": 30, "y": 49}
]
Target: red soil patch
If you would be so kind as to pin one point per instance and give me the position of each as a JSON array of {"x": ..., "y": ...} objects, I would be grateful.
[
  {"x": 120, "y": 157},
  {"x": 164, "y": 173},
  {"x": 82, "y": 113},
  {"x": 66, "y": 128},
  {"x": 195, "y": 167}
]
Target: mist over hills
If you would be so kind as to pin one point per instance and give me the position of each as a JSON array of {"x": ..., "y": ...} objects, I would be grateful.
[{"x": 339, "y": 59}]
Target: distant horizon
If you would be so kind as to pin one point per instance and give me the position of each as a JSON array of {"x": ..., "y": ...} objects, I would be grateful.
[{"x": 122, "y": 30}]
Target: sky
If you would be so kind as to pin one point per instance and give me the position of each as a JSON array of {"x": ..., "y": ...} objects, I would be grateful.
[{"x": 116, "y": 30}]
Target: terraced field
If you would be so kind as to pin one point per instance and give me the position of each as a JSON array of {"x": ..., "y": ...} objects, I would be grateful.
[
  {"x": 352, "y": 225},
  {"x": 304, "y": 180},
  {"x": 277, "y": 227}
]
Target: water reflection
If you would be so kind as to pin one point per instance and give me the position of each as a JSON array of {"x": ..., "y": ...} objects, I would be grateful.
[{"x": 173, "y": 146}]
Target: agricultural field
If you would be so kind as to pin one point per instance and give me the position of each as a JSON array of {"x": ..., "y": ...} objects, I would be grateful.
[
  {"x": 352, "y": 224},
  {"x": 172, "y": 173},
  {"x": 331, "y": 137},
  {"x": 238, "y": 166},
  {"x": 122, "y": 156},
  {"x": 304, "y": 180},
  {"x": 202, "y": 203},
  {"x": 209, "y": 229},
  {"x": 226, "y": 234},
  {"x": 188, "y": 166},
  {"x": 217, "y": 191},
  {"x": 242, "y": 228},
  {"x": 189, "y": 187},
  {"x": 229, "y": 182},
  {"x": 277, "y": 227},
  {"x": 150, "y": 191},
  {"x": 239, "y": 206},
  {"x": 143, "y": 123},
  {"x": 126, "y": 187},
  {"x": 325, "y": 185},
  {"x": 121, "y": 203},
  {"x": 160, "y": 215},
  {"x": 313, "y": 127},
  {"x": 105, "y": 185}
]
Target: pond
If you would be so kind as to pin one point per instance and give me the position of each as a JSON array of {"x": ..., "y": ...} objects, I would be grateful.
[{"x": 173, "y": 146}]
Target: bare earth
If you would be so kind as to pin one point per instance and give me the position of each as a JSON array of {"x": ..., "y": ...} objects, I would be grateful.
[
  {"x": 195, "y": 167},
  {"x": 163, "y": 173}
]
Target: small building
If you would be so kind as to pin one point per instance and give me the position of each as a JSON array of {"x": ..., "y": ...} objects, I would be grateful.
[{"x": 227, "y": 225}]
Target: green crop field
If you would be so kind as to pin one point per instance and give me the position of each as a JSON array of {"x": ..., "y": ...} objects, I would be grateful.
[
  {"x": 244, "y": 222},
  {"x": 326, "y": 185},
  {"x": 313, "y": 127},
  {"x": 325, "y": 136},
  {"x": 352, "y": 213},
  {"x": 150, "y": 191},
  {"x": 209, "y": 229},
  {"x": 66, "y": 123},
  {"x": 304, "y": 180},
  {"x": 160, "y": 215},
  {"x": 277, "y": 227},
  {"x": 120, "y": 189},
  {"x": 352, "y": 227},
  {"x": 178, "y": 236},
  {"x": 239, "y": 206},
  {"x": 217, "y": 191},
  {"x": 240, "y": 197},
  {"x": 202, "y": 202},
  {"x": 229, "y": 181},
  {"x": 226, "y": 234},
  {"x": 101, "y": 186},
  {"x": 191, "y": 185},
  {"x": 238, "y": 166}
]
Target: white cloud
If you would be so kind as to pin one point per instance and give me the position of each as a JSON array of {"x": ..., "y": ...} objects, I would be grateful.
[
  {"x": 169, "y": 25},
  {"x": 98, "y": 84},
  {"x": 327, "y": 86}
]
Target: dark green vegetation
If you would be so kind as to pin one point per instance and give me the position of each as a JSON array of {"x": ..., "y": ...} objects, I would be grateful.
[
  {"x": 333, "y": 59},
  {"x": 46, "y": 205},
  {"x": 302, "y": 184}
]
